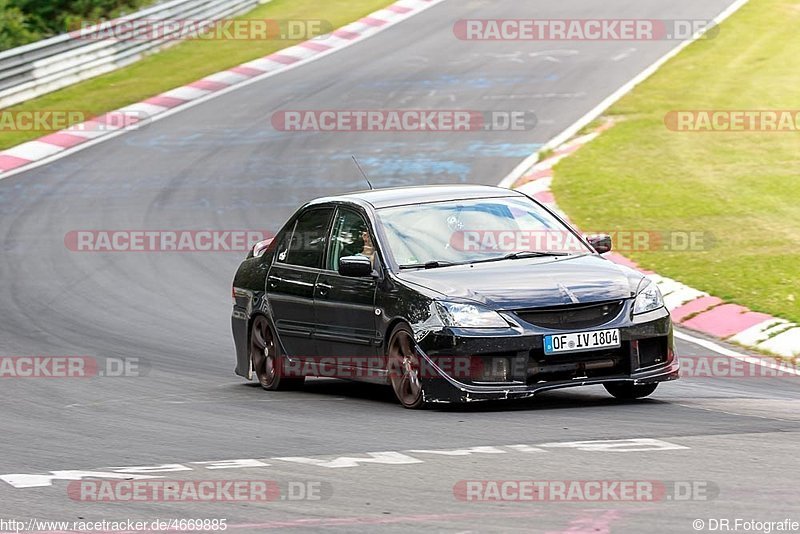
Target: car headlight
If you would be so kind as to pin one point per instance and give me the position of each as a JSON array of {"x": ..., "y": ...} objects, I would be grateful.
[
  {"x": 648, "y": 298},
  {"x": 469, "y": 316}
]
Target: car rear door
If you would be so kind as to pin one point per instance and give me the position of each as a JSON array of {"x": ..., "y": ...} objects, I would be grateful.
[{"x": 293, "y": 277}]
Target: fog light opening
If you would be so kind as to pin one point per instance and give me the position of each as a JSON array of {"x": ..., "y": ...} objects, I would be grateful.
[{"x": 490, "y": 369}]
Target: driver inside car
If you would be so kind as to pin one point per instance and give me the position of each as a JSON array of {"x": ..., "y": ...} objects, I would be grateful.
[{"x": 360, "y": 243}]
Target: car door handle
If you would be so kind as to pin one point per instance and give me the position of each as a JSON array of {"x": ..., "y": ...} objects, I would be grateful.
[{"x": 322, "y": 289}]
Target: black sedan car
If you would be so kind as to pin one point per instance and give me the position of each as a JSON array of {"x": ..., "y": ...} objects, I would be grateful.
[{"x": 448, "y": 294}]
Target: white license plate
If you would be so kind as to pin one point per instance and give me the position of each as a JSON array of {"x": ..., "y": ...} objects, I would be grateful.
[{"x": 580, "y": 341}]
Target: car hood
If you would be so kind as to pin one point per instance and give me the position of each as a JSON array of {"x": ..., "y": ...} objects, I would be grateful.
[{"x": 530, "y": 282}]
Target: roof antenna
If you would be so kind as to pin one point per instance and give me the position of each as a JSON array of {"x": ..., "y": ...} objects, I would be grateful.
[{"x": 363, "y": 173}]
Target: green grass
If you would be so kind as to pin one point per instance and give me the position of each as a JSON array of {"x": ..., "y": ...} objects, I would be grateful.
[
  {"x": 186, "y": 62},
  {"x": 743, "y": 188}
]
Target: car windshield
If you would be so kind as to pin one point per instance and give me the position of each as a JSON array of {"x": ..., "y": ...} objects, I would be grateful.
[{"x": 466, "y": 231}]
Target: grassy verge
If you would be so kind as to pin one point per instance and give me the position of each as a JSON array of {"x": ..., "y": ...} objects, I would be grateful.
[
  {"x": 186, "y": 62},
  {"x": 743, "y": 188}
]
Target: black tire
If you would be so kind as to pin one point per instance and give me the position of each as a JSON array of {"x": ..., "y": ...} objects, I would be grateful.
[
  {"x": 267, "y": 360},
  {"x": 629, "y": 391},
  {"x": 403, "y": 365}
]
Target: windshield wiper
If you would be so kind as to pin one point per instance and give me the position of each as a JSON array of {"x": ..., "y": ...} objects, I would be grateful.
[
  {"x": 513, "y": 256},
  {"x": 524, "y": 254},
  {"x": 533, "y": 254},
  {"x": 429, "y": 265}
]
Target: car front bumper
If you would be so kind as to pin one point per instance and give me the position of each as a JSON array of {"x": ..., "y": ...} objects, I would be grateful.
[{"x": 450, "y": 373}]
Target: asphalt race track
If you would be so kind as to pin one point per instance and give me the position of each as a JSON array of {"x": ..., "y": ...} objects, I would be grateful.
[{"x": 221, "y": 165}]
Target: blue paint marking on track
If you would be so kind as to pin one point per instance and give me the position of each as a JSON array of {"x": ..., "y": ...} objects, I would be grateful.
[
  {"x": 443, "y": 150},
  {"x": 511, "y": 150},
  {"x": 403, "y": 171}
]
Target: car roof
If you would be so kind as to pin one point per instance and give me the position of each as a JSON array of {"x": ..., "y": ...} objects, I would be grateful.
[{"x": 403, "y": 196}]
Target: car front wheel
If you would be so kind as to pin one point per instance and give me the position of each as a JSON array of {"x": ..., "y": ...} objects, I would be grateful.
[
  {"x": 404, "y": 368},
  {"x": 628, "y": 391}
]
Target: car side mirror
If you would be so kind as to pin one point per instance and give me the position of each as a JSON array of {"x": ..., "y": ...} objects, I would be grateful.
[
  {"x": 601, "y": 243},
  {"x": 355, "y": 266},
  {"x": 261, "y": 247}
]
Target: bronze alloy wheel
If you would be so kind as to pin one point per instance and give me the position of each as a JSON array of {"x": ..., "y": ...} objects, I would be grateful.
[{"x": 404, "y": 368}]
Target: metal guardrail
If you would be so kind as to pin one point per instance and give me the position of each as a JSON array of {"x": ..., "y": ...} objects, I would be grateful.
[{"x": 44, "y": 66}]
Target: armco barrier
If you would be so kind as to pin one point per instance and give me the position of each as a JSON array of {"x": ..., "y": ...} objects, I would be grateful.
[{"x": 44, "y": 66}]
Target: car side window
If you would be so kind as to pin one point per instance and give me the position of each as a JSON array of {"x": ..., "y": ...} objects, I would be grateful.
[
  {"x": 305, "y": 244},
  {"x": 350, "y": 237}
]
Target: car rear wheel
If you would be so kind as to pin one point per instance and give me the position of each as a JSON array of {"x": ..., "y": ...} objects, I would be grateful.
[
  {"x": 628, "y": 391},
  {"x": 267, "y": 360},
  {"x": 404, "y": 368}
]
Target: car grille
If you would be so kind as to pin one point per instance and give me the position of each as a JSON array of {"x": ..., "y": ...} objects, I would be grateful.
[{"x": 573, "y": 316}]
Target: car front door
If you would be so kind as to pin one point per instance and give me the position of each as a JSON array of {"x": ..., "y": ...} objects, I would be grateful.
[
  {"x": 345, "y": 306},
  {"x": 293, "y": 277}
]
